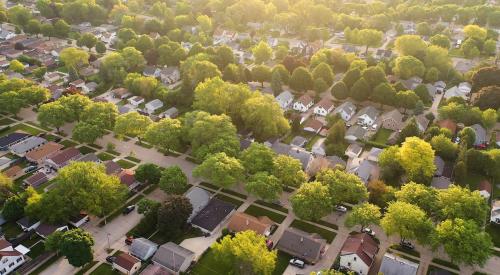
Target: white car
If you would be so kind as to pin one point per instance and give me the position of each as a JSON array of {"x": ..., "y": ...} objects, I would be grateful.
[
  {"x": 297, "y": 262},
  {"x": 341, "y": 208},
  {"x": 368, "y": 231}
]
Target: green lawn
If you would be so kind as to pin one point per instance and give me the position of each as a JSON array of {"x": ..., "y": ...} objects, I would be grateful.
[
  {"x": 234, "y": 193},
  {"x": 30, "y": 242},
  {"x": 50, "y": 137},
  {"x": 472, "y": 180},
  {"x": 434, "y": 270},
  {"x": 382, "y": 136},
  {"x": 445, "y": 263},
  {"x": 86, "y": 268},
  {"x": 161, "y": 238},
  {"x": 133, "y": 159},
  {"x": 125, "y": 164},
  {"x": 104, "y": 269},
  {"x": 86, "y": 150},
  {"x": 209, "y": 185},
  {"x": 113, "y": 152},
  {"x": 412, "y": 252},
  {"x": 327, "y": 224},
  {"x": 36, "y": 250},
  {"x": 259, "y": 211},
  {"x": 311, "y": 142},
  {"x": 105, "y": 156},
  {"x": 494, "y": 231},
  {"x": 237, "y": 203},
  {"x": 273, "y": 206},
  {"x": 6, "y": 121},
  {"x": 282, "y": 263},
  {"x": 307, "y": 227},
  {"x": 142, "y": 144},
  {"x": 24, "y": 128},
  {"x": 208, "y": 265},
  {"x": 32, "y": 123},
  {"x": 68, "y": 143},
  {"x": 11, "y": 230}
]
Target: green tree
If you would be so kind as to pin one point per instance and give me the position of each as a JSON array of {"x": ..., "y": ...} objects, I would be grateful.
[
  {"x": 13, "y": 208},
  {"x": 370, "y": 38},
  {"x": 301, "y": 79},
  {"x": 474, "y": 31},
  {"x": 100, "y": 47},
  {"x": 173, "y": 215},
  {"x": 19, "y": 15},
  {"x": 323, "y": 71},
  {"x": 73, "y": 57},
  {"x": 224, "y": 56},
  {"x": 408, "y": 66},
  {"x": 408, "y": 221},
  {"x": 173, "y": 180},
  {"x": 380, "y": 193},
  {"x": 221, "y": 170},
  {"x": 263, "y": 116},
  {"x": 410, "y": 45},
  {"x": 441, "y": 40},
  {"x": 468, "y": 135},
  {"x": 444, "y": 147},
  {"x": 417, "y": 159},
  {"x": 489, "y": 118},
  {"x": 360, "y": 91},
  {"x": 458, "y": 202},
  {"x": 407, "y": 99},
  {"x": 132, "y": 124},
  {"x": 85, "y": 132},
  {"x": 363, "y": 214},
  {"x": 343, "y": 186},
  {"x": 88, "y": 40},
  {"x": 61, "y": 28},
  {"x": 384, "y": 94},
  {"x": 470, "y": 49},
  {"x": 312, "y": 201},
  {"x": 264, "y": 186},
  {"x": 75, "y": 244},
  {"x": 374, "y": 75},
  {"x": 148, "y": 173},
  {"x": 284, "y": 73},
  {"x": 16, "y": 66},
  {"x": 420, "y": 195},
  {"x": 351, "y": 76},
  {"x": 262, "y": 52},
  {"x": 340, "y": 90},
  {"x": 101, "y": 114},
  {"x": 247, "y": 252},
  {"x": 276, "y": 83},
  {"x": 257, "y": 158},
  {"x": 166, "y": 134},
  {"x": 261, "y": 73},
  {"x": 288, "y": 171},
  {"x": 52, "y": 114}
]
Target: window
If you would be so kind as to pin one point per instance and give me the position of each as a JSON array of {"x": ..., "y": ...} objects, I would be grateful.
[
  {"x": 5, "y": 260},
  {"x": 19, "y": 259},
  {"x": 11, "y": 264},
  {"x": 354, "y": 258}
]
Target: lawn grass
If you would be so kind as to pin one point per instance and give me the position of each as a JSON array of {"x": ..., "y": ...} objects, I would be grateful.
[
  {"x": 273, "y": 206},
  {"x": 150, "y": 189},
  {"x": 125, "y": 164},
  {"x": 311, "y": 142},
  {"x": 86, "y": 150},
  {"x": 412, "y": 252},
  {"x": 30, "y": 242},
  {"x": 11, "y": 230},
  {"x": 44, "y": 266},
  {"x": 133, "y": 159},
  {"x": 434, "y": 270},
  {"x": 471, "y": 180},
  {"x": 95, "y": 146},
  {"x": 113, "y": 152},
  {"x": 104, "y": 269},
  {"x": 494, "y": 231},
  {"x": 68, "y": 143},
  {"x": 328, "y": 224},
  {"x": 24, "y": 128},
  {"x": 161, "y": 238},
  {"x": 282, "y": 263},
  {"x": 50, "y": 137},
  {"x": 235, "y": 202},
  {"x": 86, "y": 268},
  {"x": 208, "y": 265},
  {"x": 259, "y": 211},
  {"x": 307, "y": 227},
  {"x": 145, "y": 145},
  {"x": 495, "y": 252},
  {"x": 105, "y": 156},
  {"x": 32, "y": 123},
  {"x": 209, "y": 185},
  {"x": 234, "y": 193},
  {"x": 36, "y": 250},
  {"x": 6, "y": 121},
  {"x": 382, "y": 136},
  {"x": 445, "y": 263}
]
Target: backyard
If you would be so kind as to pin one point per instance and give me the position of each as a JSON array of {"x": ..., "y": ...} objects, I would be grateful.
[{"x": 382, "y": 136}]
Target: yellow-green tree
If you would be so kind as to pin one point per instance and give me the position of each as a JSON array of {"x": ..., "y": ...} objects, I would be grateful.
[{"x": 417, "y": 159}]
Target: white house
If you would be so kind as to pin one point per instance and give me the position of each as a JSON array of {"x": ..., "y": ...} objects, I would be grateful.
[
  {"x": 170, "y": 75},
  {"x": 346, "y": 110},
  {"x": 136, "y": 101},
  {"x": 152, "y": 106},
  {"x": 358, "y": 253},
  {"x": 462, "y": 90},
  {"x": 285, "y": 99},
  {"x": 126, "y": 264},
  {"x": 367, "y": 116},
  {"x": 89, "y": 87},
  {"x": 303, "y": 103},
  {"x": 324, "y": 107},
  {"x": 10, "y": 258}
]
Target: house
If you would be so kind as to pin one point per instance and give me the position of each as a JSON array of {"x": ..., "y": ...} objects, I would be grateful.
[
  {"x": 324, "y": 107},
  {"x": 222, "y": 36},
  {"x": 431, "y": 90},
  {"x": 90, "y": 157},
  {"x": 79, "y": 220},
  {"x": 89, "y": 87},
  {"x": 303, "y": 156},
  {"x": 77, "y": 84},
  {"x": 4, "y": 162},
  {"x": 36, "y": 180},
  {"x": 242, "y": 222},
  {"x": 52, "y": 77},
  {"x": 281, "y": 148},
  {"x": 127, "y": 177},
  {"x": 448, "y": 124},
  {"x": 318, "y": 147},
  {"x": 173, "y": 257},
  {"x": 151, "y": 71},
  {"x": 374, "y": 154},
  {"x": 367, "y": 116},
  {"x": 14, "y": 172},
  {"x": 212, "y": 215},
  {"x": 358, "y": 253},
  {"x": 303, "y": 103},
  {"x": 170, "y": 75},
  {"x": 153, "y": 269},
  {"x": 395, "y": 265},
  {"x": 152, "y": 106},
  {"x": 285, "y": 99},
  {"x": 126, "y": 264},
  {"x": 346, "y": 110},
  {"x": 7, "y": 141},
  {"x": 112, "y": 168},
  {"x": 63, "y": 158},
  {"x": 299, "y": 141},
  {"x": 44, "y": 230},
  {"x": 199, "y": 198},
  {"x": 170, "y": 113},
  {"x": 11, "y": 258},
  {"x": 43, "y": 152},
  {"x": 28, "y": 224},
  {"x": 480, "y": 134},
  {"x": 143, "y": 248},
  {"x": 21, "y": 148},
  {"x": 439, "y": 163},
  {"x": 136, "y": 101},
  {"x": 120, "y": 93},
  {"x": 422, "y": 122},
  {"x": 355, "y": 133},
  {"x": 495, "y": 212},
  {"x": 392, "y": 120},
  {"x": 363, "y": 170},
  {"x": 353, "y": 150},
  {"x": 440, "y": 86},
  {"x": 485, "y": 189},
  {"x": 462, "y": 90},
  {"x": 306, "y": 246},
  {"x": 411, "y": 83},
  {"x": 313, "y": 126}
]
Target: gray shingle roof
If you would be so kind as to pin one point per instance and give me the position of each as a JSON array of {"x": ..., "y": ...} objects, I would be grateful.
[
  {"x": 394, "y": 265},
  {"x": 143, "y": 248},
  {"x": 301, "y": 244},
  {"x": 172, "y": 256},
  {"x": 199, "y": 198}
]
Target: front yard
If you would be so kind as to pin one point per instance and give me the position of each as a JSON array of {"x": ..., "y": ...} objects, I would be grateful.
[
  {"x": 104, "y": 269},
  {"x": 259, "y": 211},
  {"x": 382, "y": 136},
  {"x": 310, "y": 228}
]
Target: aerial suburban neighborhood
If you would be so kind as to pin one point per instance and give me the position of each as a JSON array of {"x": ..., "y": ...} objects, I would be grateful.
[{"x": 250, "y": 137}]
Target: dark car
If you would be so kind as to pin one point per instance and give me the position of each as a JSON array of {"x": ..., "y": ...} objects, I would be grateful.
[
  {"x": 128, "y": 209},
  {"x": 407, "y": 245},
  {"x": 110, "y": 259}
]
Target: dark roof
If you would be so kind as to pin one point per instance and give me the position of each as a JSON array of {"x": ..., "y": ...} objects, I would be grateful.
[
  {"x": 112, "y": 167},
  {"x": 4, "y": 244},
  {"x": 301, "y": 244},
  {"x": 244, "y": 144},
  {"x": 76, "y": 218},
  {"x": 26, "y": 222},
  {"x": 12, "y": 138},
  {"x": 362, "y": 245},
  {"x": 213, "y": 214},
  {"x": 65, "y": 155},
  {"x": 37, "y": 179},
  {"x": 172, "y": 256},
  {"x": 126, "y": 261},
  {"x": 47, "y": 229}
]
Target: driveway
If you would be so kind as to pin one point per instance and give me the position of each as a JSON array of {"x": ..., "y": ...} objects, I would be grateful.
[{"x": 435, "y": 104}]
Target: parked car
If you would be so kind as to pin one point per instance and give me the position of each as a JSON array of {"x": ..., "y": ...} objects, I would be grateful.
[
  {"x": 297, "y": 262},
  {"x": 341, "y": 208},
  {"x": 128, "y": 209},
  {"x": 368, "y": 231},
  {"x": 407, "y": 244},
  {"x": 30, "y": 168},
  {"x": 110, "y": 259}
]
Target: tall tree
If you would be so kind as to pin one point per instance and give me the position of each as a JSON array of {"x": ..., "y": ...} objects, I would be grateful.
[
  {"x": 132, "y": 124},
  {"x": 363, "y": 215},
  {"x": 221, "y": 170},
  {"x": 312, "y": 201},
  {"x": 343, "y": 186},
  {"x": 148, "y": 173},
  {"x": 173, "y": 215},
  {"x": 408, "y": 221},
  {"x": 301, "y": 79},
  {"x": 288, "y": 171},
  {"x": 264, "y": 117},
  {"x": 52, "y": 114},
  {"x": 459, "y": 202},
  {"x": 76, "y": 244},
  {"x": 262, "y": 52},
  {"x": 166, "y": 134},
  {"x": 257, "y": 158},
  {"x": 173, "y": 180},
  {"x": 264, "y": 186},
  {"x": 417, "y": 159},
  {"x": 370, "y": 38},
  {"x": 420, "y": 195}
]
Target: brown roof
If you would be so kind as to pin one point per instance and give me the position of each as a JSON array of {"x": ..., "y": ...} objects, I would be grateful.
[
  {"x": 362, "y": 245},
  {"x": 12, "y": 171},
  {"x": 65, "y": 155},
  {"x": 120, "y": 91},
  {"x": 112, "y": 167},
  {"x": 126, "y": 261},
  {"x": 325, "y": 103},
  {"x": 314, "y": 124},
  {"x": 305, "y": 100},
  {"x": 37, "y": 179},
  {"x": 43, "y": 151},
  {"x": 448, "y": 124},
  {"x": 4, "y": 244},
  {"x": 127, "y": 177},
  {"x": 485, "y": 185},
  {"x": 242, "y": 222},
  {"x": 10, "y": 253}
]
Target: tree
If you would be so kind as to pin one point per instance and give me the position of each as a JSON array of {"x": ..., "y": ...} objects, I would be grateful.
[
  {"x": 343, "y": 186},
  {"x": 312, "y": 201},
  {"x": 85, "y": 132},
  {"x": 257, "y": 158},
  {"x": 133, "y": 59},
  {"x": 458, "y": 202},
  {"x": 173, "y": 215},
  {"x": 100, "y": 47},
  {"x": 464, "y": 241},
  {"x": 16, "y": 66},
  {"x": 360, "y": 91},
  {"x": 264, "y": 186},
  {"x": 417, "y": 159},
  {"x": 261, "y": 73},
  {"x": 474, "y": 31},
  {"x": 264, "y": 117},
  {"x": 52, "y": 114},
  {"x": 488, "y": 98},
  {"x": 205, "y": 23},
  {"x": 420, "y": 195},
  {"x": 410, "y": 45},
  {"x": 61, "y": 28},
  {"x": 384, "y": 94},
  {"x": 13, "y": 208},
  {"x": 88, "y": 40},
  {"x": 374, "y": 75},
  {"x": 247, "y": 251},
  {"x": 47, "y": 30},
  {"x": 323, "y": 71},
  {"x": 132, "y": 124},
  {"x": 224, "y": 56},
  {"x": 408, "y": 221},
  {"x": 19, "y": 15},
  {"x": 276, "y": 83},
  {"x": 148, "y": 173},
  {"x": 470, "y": 49},
  {"x": 489, "y": 47},
  {"x": 408, "y": 66},
  {"x": 468, "y": 135},
  {"x": 173, "y": 180},
  {"x": 101, "y": 114},
  {"x": 141, "y": 85},
  {"x": 351, "y": 77},
  {"x": 489, "y": 118},
  {"x": 432, "y": 75},
  {"x": 444, "y": 147},
  {"x": 75, "y": 244},
  {"x": 288, "y": 171},
  {"x": 6, "y": 187},
  {"x": 166, "y": 134},
  {"x": 370, "y": 38},
  {"x": 220, "y": 170},
  {"x": 363, "y": 214},
  {"x": 407, "y": 99},
  {"x": 424, "y": 29},
  {"x": 423, "y": 93},
  {"x": 380, "y": 193},
  {"x": 335, "y": 143},
  {"x": 340, "y": 90},
  {"x": 73, "y": 57},
  {"x": 301, "y": 79},
  {"x": 283, "y": 72},
  {"x": 262, "y": 52}
]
